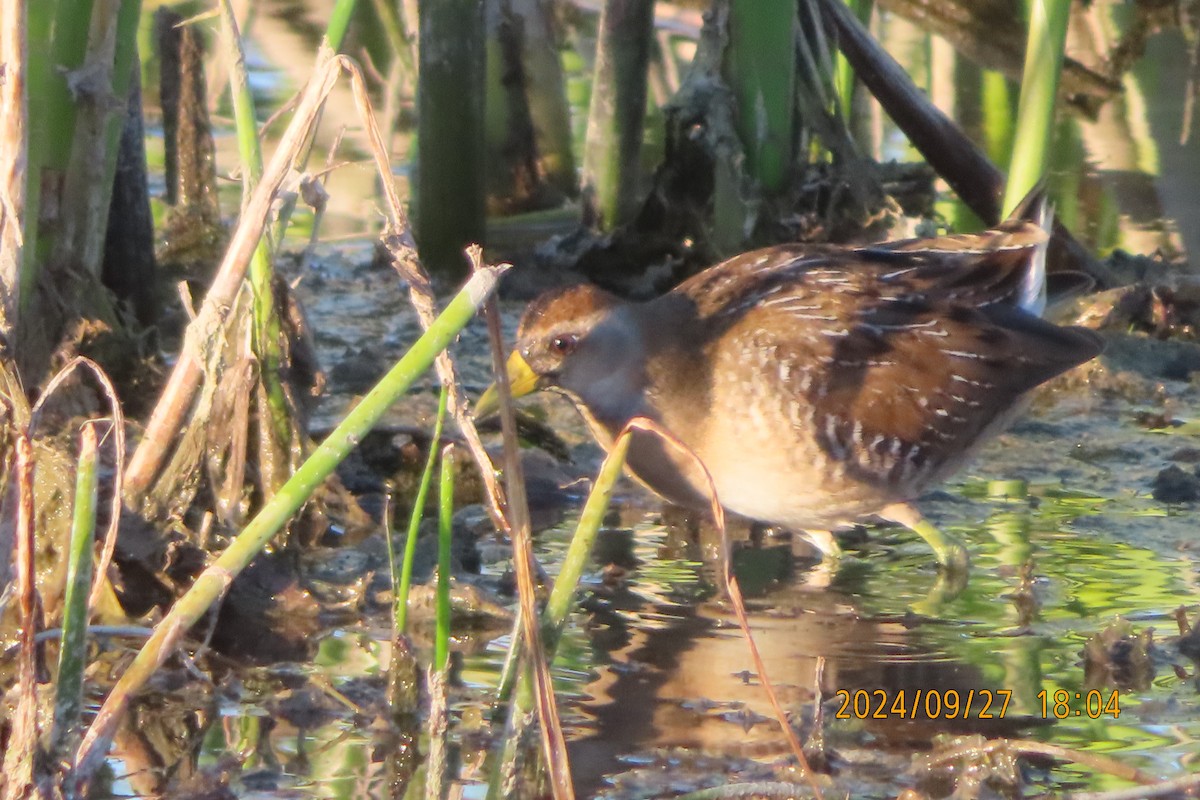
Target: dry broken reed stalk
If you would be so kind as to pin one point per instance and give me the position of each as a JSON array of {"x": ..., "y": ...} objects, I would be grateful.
[
  {"x": 437, "y": 727},
  {"x": 13, "y": 155},
  {"x": 181, "y": 387},
  {"x": 554, "y": 744},
  {"x": 215, "y": 580}
]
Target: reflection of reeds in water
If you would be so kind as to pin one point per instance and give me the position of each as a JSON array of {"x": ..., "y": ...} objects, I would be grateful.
[
  {"x": 1106, "y": 173},
  {"x": 681, "y": 680},
  {"x": 1148, "y": 178}
]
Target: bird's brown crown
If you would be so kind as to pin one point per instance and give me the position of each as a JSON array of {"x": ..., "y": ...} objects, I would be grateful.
[{"x": 551, "y": 310}]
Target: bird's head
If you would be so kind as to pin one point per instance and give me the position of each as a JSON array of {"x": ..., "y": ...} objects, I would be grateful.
[{"x": 568, "y": 339}]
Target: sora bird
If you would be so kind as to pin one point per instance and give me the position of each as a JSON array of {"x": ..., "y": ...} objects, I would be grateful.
[{"x": 818, "y": 385}]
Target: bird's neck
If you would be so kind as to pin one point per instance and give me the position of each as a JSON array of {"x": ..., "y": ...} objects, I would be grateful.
[{"x": 610, "y": 386}]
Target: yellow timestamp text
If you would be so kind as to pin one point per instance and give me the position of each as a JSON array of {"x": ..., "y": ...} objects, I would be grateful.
[
  {"x": 1061, "y": 704},
  {"x": 923, "y": 704}
]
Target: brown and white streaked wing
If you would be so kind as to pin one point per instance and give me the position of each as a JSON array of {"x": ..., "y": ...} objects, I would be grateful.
[{"x": 902, "y": 393}]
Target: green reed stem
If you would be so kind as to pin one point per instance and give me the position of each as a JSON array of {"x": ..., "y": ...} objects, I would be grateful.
[
  {"x": 998, "y": 126},
  {"x": 843, "y": 72},
  {"x": 215, "y": 580},
  {"x": 441, "y": 641},
  {"x": 61, "y": 31},
  {"x": 335, "y": 33},
  {"x": 393, "y": 29},
  {"x": 267, "y": 331},
  {"x": 559, "y": 605},
  {"x": 339, "y": 21},
  {"x": 402, "y": 571},
  {"x": 1039, "y": 92},
  {"x": 72, "y": 655},
  {"x": 761, "y": 69},
  {"x": 617, "y": 112},
  {"x": 562, "y": 596}
]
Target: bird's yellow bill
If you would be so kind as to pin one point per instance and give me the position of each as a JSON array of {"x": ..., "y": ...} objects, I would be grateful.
[{"x": 521, "y": 380}]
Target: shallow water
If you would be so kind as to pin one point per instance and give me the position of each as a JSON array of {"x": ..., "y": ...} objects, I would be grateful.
[{"x": 658, "y": 691}]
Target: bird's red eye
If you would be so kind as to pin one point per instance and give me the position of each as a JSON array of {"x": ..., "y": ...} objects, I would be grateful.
[{"x": 564, "y": 344}]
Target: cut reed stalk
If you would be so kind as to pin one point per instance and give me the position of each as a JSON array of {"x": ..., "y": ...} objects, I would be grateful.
[
  {"x": 86, "y": 188},
  {"x": 450, "y": 134},
  {"x": 62, "y": 27},
  {"x": 761, "y": 68}
]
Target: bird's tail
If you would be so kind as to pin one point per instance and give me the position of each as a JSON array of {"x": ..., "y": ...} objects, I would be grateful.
[{"x": 1035, "y": 208}]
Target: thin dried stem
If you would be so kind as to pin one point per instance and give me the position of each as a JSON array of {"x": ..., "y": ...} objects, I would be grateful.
[
  {"x": 553, "y": 742},
  {"x": 397, "y": 237},
  {"x": 735, "y": 593}
]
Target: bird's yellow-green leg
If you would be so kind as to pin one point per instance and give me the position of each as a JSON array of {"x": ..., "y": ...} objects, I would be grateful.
[
  {"x": 951, "y": 554},
  {"x": 821, "y": 574},
  {"x": 825, "y": 542}
]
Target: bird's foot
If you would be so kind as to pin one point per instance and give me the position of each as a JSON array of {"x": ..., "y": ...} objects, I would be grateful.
[
  {"x": 824, "y": 542},
  {"x": 952, "y": 556},
  {"x": 948, "y": 585}
]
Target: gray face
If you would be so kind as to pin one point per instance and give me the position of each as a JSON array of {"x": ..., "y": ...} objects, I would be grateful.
[{"x": 597, "y": 360}]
